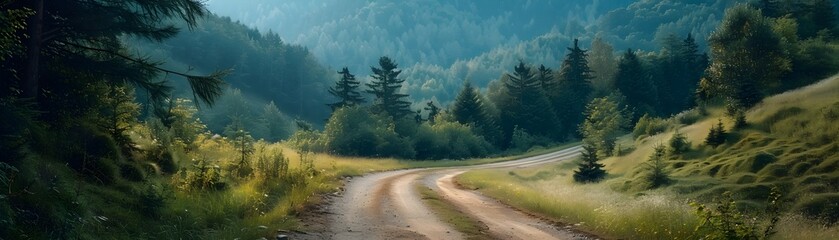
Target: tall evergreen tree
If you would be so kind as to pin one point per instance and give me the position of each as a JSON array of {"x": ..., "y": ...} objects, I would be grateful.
[
  {"x": 546, "y": 79},
  {"x": 748, "y": 60},
  {"x": 529, "y": 108},
  {"x": 574, "y": 88},
  {"x": 633, "y": 81},
  {"x": 385, "y": 87},
  {"x": 345, "y": 89},
  {"x": 469, "y": 108}
]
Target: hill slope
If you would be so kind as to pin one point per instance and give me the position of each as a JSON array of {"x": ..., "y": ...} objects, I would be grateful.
[{"x": 790, "y": 142}]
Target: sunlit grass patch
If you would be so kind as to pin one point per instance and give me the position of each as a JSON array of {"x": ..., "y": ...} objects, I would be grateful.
[{"x": 593, "y": 207}]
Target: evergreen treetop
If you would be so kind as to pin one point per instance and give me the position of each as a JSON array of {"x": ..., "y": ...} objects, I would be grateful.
[
  {"x": 385, "y": 87},
  {"x": 346, "y": 89}
]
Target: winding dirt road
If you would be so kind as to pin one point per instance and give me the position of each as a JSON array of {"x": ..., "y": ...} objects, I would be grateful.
[{"x": 386, "y": 206}]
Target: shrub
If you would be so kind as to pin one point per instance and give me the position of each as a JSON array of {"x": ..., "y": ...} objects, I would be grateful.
[
  {"x": 308, "y": 140},
  {"x": 690, "y": 116},
  {"x": 649, "y": 126},
  {"x": 202, "y": 176},
  {"x": 726, "y": 222}
]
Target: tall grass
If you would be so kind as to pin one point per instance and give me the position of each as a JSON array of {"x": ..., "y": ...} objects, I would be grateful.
[{"x": 592, "y": 207}]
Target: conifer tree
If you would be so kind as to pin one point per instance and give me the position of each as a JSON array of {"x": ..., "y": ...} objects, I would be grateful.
[
  {"x": 574, "y": 88},
  {"x": 385, "y": 87},
  {"x": 546, "y": 79},
  {"x": 633, "y": 81},
  {"x": 589, "y": 169},
  {"x": 717, "y": 135},
  {"x": 529, "y": 108},
  {"x": 84, "y": 40},
  {"x": 346, "y": 89},
  {"x": 469, "y": 108}
]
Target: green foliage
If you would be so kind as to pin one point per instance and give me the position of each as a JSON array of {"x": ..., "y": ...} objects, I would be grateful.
[
  {"x": 470, "y": 108},
  {"x": 346, "y": 89},
  {"x": 574, "y": 88},
  {"x": 527, "y": 106},
  {"x": 649, "y": 126},
  {"x": 203, "y": 175},
  {"x": 603, "y": 65},
  {"x": 312, "y": 141},
  {"x": 385, "y": 87},
  {"x": 604, "y": 122},
  {"x": 748, "y": 59},
  {"x": 152, "y": 200},
  {"x": 276, "y": 126},
  {"x": 589, "y": 169},
  {"x": 271, "y": 164},
  {"x": 656, "y": 174},
  {"x": 726, "y": 222},
  {"x": 243, "y": 143},
  {"x": 449, "y": 140},
  {"x": 678, "y": 143},
  {"x": 354, "y": 131},
  {"x": 717, "y": 135},
  {"x": 634, "y": 82}
]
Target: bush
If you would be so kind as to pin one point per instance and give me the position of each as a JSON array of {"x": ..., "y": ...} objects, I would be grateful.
[
  {"x": 649, "y": 126},
  {"x": 690, "y": 116},
  {"x": 726, "y": 222},
  {"x": 308, "y": 140},
  {"x": 202, "y": 176},
  {"x": 678, "y": 143}
]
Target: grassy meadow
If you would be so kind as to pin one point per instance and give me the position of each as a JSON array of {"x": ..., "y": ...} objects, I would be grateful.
[{"x": 789, "y": 142}]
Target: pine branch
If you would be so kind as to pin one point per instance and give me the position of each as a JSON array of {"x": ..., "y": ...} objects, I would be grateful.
[{"x": 207, "y": 88}]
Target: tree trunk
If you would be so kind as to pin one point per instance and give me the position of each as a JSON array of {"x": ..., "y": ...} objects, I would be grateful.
[{"x": 31, "y": 80}]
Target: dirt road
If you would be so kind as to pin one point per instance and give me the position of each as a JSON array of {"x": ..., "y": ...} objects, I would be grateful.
[{"x": 386, "y": 206}]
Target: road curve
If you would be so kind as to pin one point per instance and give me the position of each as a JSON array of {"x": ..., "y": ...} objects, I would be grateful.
[{"x": 386, "y": 206}]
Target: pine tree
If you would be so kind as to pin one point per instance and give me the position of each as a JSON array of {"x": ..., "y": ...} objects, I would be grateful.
[
  {"x": 84, "y": 40},
  {"x": 243, "y": 143},
  {"x": 346, "y": 89},
  {"x": 633, "y": 81},
  {"x": 385, "y": 87},
  {"x": 530, "y": 109},
  {"x": 589, "y": 169},
  {"x": 717, "y": 135},
  {"x": 574, "y": 88},
  {"x": 546, "y": 79},
  {"x": 656, "y": 167},
  {"x": 469, "y": 109}
]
